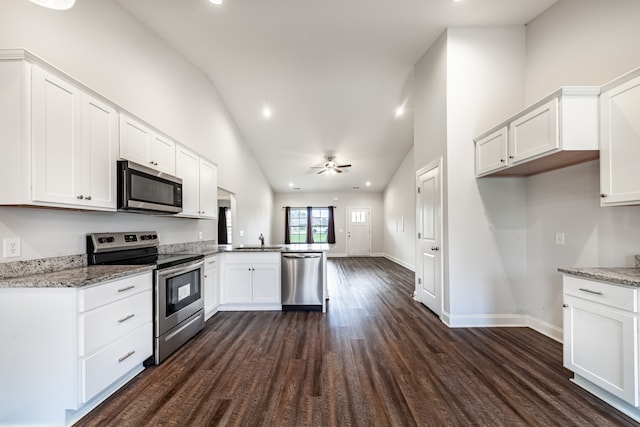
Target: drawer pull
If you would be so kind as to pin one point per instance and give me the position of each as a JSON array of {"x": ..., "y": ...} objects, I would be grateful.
[
  {"x": 126, "y": 289},
  {"x": 126, "y": 356},
  {"x": 591, "y": 292},
  {"x": 124, "y": 319}
]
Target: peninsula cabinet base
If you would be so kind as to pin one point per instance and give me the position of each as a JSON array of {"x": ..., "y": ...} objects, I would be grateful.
[
  {"x": 619, "y": 404},
  {"x": 250, "y": 307}
]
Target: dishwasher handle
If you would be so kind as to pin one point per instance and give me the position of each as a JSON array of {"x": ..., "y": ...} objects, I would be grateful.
[{"x": 300, "y": 256}]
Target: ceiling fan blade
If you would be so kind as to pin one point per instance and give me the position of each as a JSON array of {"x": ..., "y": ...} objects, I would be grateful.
[
  {"x": 343, "y": 166},
  {"x": 321, "y": 171},
  {"x": 337, "y": 170}
]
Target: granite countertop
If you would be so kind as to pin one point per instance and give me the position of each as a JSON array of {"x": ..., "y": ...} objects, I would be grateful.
[
  {"x": 314, "y": 247},
  {"x": 628, "y": 276},
  {"x": 75, "y": 277}
]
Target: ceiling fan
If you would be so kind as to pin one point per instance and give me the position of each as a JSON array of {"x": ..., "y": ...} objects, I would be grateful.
[{"x": 331, "y": 167}]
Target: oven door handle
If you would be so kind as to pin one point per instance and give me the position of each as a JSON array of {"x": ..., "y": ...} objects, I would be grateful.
[{"x": 182, "y": 268}]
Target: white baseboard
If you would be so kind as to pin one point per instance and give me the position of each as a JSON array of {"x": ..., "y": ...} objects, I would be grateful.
[
  {"x": 336, "y": 255},
  {"x": 400, "y": 262},
  {"x": 502, "y": 321},
  {"x": 545, "y": 328}
]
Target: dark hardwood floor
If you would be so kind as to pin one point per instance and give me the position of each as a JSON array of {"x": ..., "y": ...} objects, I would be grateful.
[{"x": 375, "y": 358}]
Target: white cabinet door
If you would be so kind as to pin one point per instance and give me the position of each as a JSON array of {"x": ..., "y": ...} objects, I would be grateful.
[
  {"x": 237, "y": 284},
  {"x": 163, "y": 154},
  {"x": 208, "y": 190},
  {"x": 187, "y": 168},
  {"x": 620, "y": 144},
  {"x": 135, "y": 140},
  {"x": 56, "y": 139},
  {"x": 491, "y": 152},
  {"x": 601, "y": 345},
  {"x": 534, "y": 133},
  {"x": 143, "y": 145},
  {"x": 99, "y": 153},
  {"x": 211, "y": 287},
  {"x": 266, "y": 283}
]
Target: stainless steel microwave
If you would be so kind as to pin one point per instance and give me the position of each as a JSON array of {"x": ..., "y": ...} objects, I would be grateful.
[{"x": 145, "y": 190}]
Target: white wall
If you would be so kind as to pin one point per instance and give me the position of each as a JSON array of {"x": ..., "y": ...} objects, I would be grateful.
[
  {"x": 486, "y": 219},
  {"x": 101, "y": 45},
  {"x": 344, "y": 200},
  {"x": 576, "y": 42},
  {"x": 581, "y": 42},
  {"x": 399, "y": 204}
]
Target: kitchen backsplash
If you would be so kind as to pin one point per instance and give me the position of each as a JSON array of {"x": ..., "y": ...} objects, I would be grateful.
[{"x": 48, "y": 265}]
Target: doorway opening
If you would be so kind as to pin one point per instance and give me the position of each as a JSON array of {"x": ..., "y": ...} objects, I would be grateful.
[{"x": 226, "y": 216}]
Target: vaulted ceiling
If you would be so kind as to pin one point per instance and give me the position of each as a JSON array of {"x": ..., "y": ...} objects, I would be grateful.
[{"x": 332, "y": 72}]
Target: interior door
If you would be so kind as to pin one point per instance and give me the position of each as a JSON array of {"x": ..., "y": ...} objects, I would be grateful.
[
  {"x": 429, "y": 225},
  {"x": 358, "y": 232}
]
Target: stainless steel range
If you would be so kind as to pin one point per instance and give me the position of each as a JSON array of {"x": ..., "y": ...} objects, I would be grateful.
[{"x": 178, "y": 285}]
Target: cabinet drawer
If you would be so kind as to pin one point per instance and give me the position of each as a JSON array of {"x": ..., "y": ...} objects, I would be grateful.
[
  {"x": 620, "y": 297},
  {"x": 109, "y": 322},
  {"x": 109, "y": 292},
  {"x": 102, "y": 369}
]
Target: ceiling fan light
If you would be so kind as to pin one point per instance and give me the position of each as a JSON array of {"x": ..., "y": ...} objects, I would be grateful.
[
  {"x": 55, "y": 4},
  {"x": 216, "y": 2}
]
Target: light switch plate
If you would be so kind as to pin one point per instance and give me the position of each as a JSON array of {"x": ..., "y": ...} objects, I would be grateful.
[{"x": 559, "y": 238}]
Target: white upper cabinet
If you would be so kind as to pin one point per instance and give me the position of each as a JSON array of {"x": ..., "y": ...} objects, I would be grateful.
[
  {"x": 199, "y": 184},
  {"x": 59, "y": 141},
  {"x": 141, "y": 144},
  {"x": 491, "y": 152},
  {"x": 208, "y": 189},
  {"x": 620, "y": 141},
  {"x": 557, "y": 131}
]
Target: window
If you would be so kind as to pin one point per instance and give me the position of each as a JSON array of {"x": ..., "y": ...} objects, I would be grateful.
[
  {"x": 299, "y": 221},
  {"x": 298, "y": 225},
  {"x": 227, "y": 213},
  {"x": 319, "y": 224}
]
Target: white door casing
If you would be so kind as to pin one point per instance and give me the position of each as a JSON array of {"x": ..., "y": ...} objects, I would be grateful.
[
  {"x": 358, "y": 231},
  {"x": 429, "y": 227}
]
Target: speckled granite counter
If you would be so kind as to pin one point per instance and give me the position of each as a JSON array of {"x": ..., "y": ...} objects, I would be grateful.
[
  {"x": 314, "y": 247},
  {"x": 75, "y": 277},
  {"x": 627, "y": 276}
]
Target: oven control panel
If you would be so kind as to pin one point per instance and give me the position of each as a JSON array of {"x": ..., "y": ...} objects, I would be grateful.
[{"x": 108, "y": 242}]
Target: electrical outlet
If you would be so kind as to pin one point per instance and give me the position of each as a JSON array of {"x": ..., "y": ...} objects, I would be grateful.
[
  {"x": 12, "y": 247},
  {"x": 200, "y": 235},
  {"x": 559, "y": 238}
]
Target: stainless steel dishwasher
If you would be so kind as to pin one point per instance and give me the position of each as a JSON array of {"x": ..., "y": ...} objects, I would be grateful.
[{"x": 302, "y": 281}]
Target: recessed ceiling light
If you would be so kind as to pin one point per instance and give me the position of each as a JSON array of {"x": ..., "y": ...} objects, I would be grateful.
[
  {"x": 291, "y": 184},
  {"x": 216, "y": 1},
  {"x": 368, "y": 183},
  {"x": 400, "y": 111},
  {"x": 55, "y": 4},
  {"x": 266, "y": 111}
]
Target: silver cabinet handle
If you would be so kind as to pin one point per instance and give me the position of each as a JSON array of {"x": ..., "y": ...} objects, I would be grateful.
[
  {"x": 126, "y": 289},
  {"x": 124, "y": 319},
  {"x": 126, "y": 356},
  {"x": 80, "y": 197},
  {"x": 435, "y": 248},
  {"x": 565, "y": 305},
  {"x": 591, "y": 292},
  {"x": 603, "y": 195},
  {"x": 88, "y": 198}
]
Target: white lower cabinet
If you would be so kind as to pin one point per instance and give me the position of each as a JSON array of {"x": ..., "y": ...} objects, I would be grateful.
[
  {"x": 601, "y": 337},
  {"x": 251, "y": 281},
  {"x": 71, "y": 348},
  {"x": 211, "y": 286}
]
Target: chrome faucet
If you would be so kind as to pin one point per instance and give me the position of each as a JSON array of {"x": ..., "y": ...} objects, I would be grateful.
[{"x": 261, "y": 240}]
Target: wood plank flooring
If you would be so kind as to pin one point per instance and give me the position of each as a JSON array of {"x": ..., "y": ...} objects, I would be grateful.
[{"x": 376, "y": 358}]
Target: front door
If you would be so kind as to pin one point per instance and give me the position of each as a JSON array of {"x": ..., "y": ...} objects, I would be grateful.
[
  {"x": 428, "y": 224},
  {"x": 358, "y": 232}
]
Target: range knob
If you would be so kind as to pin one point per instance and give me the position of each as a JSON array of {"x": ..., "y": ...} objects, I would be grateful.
[{"x": 111, "y": 239}]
